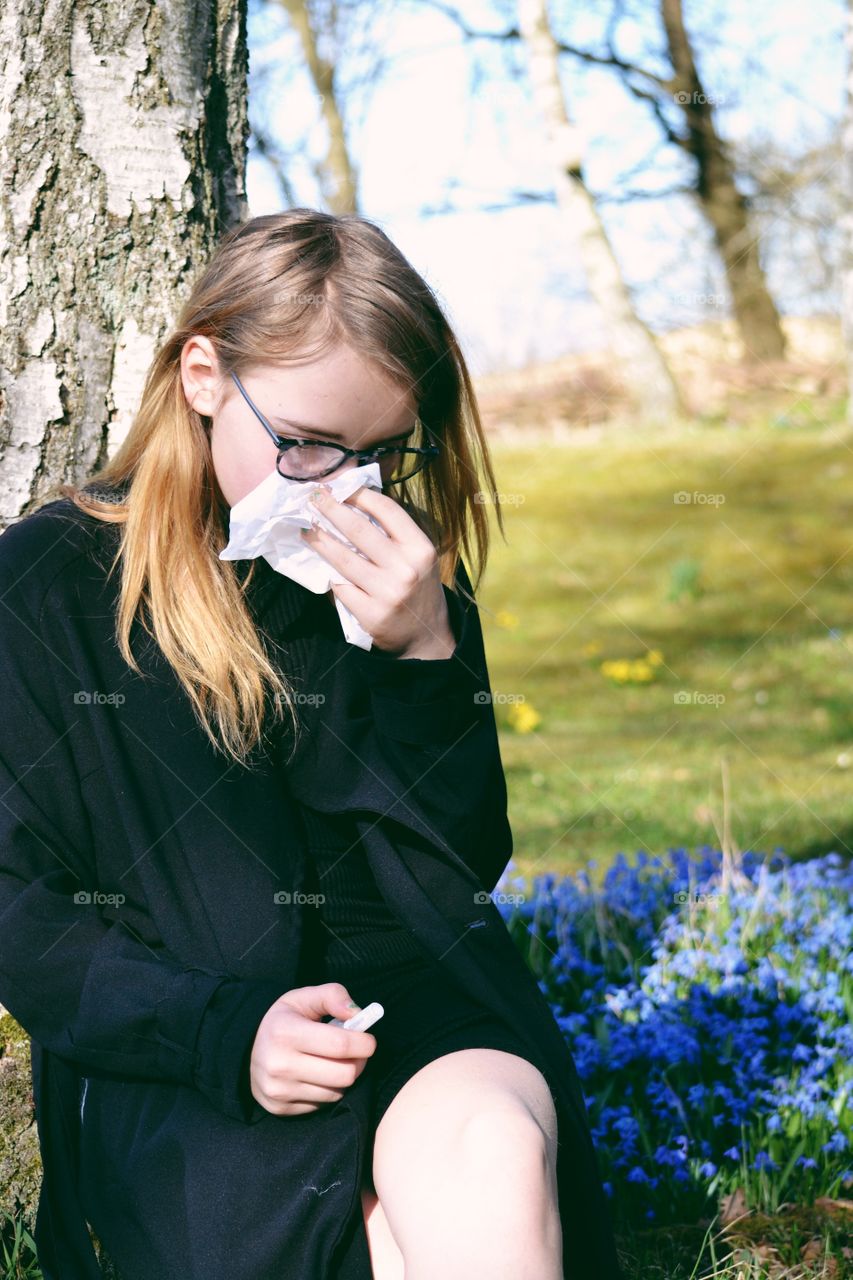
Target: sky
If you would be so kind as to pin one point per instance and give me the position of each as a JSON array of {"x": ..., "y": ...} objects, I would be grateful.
[{"x": 430, "y": 134}]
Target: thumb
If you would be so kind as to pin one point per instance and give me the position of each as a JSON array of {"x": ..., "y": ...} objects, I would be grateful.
[{"x": 329, "y": 997}]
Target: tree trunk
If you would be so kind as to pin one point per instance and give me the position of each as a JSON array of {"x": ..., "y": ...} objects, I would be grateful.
[
  {"x": 336, "y": 175},
  {"x": 847, "y": 212},
  {"x": 721, "y": 202},
  {"x": 123, "y": 133},
  {"x": 643, "y": 365}
]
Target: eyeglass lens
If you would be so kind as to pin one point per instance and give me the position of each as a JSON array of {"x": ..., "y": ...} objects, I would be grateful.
[{"x": 303, "y": 462}]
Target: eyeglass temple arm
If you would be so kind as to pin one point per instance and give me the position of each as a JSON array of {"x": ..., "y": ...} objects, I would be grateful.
[{"x": 266, "y": 426}]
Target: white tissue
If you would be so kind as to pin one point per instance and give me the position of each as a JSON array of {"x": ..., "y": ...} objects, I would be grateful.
[{"x": 267, "y": 521}]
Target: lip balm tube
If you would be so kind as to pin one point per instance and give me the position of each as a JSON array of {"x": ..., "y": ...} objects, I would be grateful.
[{"x": 361, "y": 1020}]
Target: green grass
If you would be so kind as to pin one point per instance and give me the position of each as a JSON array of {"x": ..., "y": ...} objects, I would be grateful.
[
  {"x": 799, "y": 1243},
  {"x": 749, "y": 599}
]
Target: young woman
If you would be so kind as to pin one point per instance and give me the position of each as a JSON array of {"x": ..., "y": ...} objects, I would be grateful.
[{"x": 223, "y": 824}]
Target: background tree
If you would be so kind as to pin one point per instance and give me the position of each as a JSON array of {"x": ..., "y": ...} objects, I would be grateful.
[
  {"x": 670, "y": 84},
  {"x": 723, "y": 204},
  {"x": 336, "y": 174},
  {"x": 339, "y": 48},
  {"x": 123, "y": 136},
  {"x": 645, "y": 368}
]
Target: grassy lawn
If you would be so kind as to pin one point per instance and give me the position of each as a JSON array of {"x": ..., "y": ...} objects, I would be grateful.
[{"x": 743, "y": 597}]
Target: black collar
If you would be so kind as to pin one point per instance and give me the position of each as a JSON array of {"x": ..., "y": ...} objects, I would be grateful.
[{"x": 278, "y": 603}]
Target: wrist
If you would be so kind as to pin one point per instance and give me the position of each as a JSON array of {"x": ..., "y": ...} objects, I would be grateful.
[{"x": 433, "y": 647}]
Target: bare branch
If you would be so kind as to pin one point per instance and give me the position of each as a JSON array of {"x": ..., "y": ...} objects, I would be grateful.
[
  {"x": 610, "y": 59},
  {"x": 277, "y": 159}
]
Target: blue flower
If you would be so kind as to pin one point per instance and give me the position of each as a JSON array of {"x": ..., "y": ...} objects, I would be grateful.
[{"x": 697, "y": 1031}]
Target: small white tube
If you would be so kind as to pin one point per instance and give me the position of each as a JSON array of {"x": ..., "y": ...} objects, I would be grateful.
[{"x": 361, "y": 1020}]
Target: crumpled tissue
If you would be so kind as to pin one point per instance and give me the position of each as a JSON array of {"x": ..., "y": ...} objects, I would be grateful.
[{"x": 267, "y": 521}]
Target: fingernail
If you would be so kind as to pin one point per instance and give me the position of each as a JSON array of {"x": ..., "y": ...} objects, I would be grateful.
[{"x": 351, "y": 1004}]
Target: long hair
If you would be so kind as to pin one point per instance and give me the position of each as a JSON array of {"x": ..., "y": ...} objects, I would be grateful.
[{"x": 276, "y": 288}]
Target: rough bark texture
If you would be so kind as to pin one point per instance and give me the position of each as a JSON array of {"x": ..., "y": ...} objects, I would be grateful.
[
  {"x": 721, "y": 201},
  {"x": 644, "y": 368},
  {"x": 20, "y": 1164},
  {"x": 123, "y": 133}
]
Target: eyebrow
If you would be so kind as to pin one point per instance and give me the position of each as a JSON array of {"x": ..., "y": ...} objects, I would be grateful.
[{"x": 325, "y": 434}]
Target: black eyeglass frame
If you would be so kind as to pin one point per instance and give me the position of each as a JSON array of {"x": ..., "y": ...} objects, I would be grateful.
[{"x": 427, "y": 452}]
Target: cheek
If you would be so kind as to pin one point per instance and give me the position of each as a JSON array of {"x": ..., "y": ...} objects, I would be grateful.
[{"x": 240, "y": 463}]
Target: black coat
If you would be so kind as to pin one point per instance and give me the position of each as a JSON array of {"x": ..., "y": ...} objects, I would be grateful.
[{"x": 110, "y": 787}]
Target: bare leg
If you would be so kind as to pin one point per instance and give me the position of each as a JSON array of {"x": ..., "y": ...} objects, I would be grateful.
[
  {"x": 386, "y": 1260},
  {"x": 464, "y": 1164}
]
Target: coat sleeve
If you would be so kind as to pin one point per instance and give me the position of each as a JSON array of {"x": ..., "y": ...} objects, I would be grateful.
[
  {"x": 88, "y": 989},
  {"x": 435, "y": 723}
]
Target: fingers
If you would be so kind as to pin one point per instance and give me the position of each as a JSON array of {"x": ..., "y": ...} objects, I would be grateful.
[
  {"x": 395, "y": 520},
  {"x": 378, "y": 546},
  {"x": 320, "y": 999},
  {"x": 325, "y": 1041},
  {"x": 328, "y": 1073},
  {"x": 307, "y": 1098},
  {"x": 310, "y": 1080},
  {"x": 360, "y": 572},
  {"x": 354, "y": 524}
]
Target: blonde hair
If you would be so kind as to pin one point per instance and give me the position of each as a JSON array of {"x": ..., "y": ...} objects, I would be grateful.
[{"x": 277, "y": 288}]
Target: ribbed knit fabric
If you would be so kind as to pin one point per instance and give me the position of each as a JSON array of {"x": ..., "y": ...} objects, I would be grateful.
[{"x": 361, "y": 932}]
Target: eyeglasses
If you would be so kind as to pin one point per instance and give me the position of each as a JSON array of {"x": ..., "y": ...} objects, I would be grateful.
[{"x": 312, "y": 459}]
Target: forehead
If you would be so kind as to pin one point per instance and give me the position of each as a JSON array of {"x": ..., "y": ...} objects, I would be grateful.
[{"x": 338, "y": 392}]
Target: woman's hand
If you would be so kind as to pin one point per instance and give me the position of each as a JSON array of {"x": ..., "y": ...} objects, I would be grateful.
[
  {"x": 394, "y": 586},
  {"x": 298, "y": 1062}
]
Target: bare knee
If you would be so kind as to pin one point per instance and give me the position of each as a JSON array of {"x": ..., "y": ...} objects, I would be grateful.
[{"x": 506, "y": 1128}]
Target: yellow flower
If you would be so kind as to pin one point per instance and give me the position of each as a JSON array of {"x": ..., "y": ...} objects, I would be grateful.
[
  {"x": 591, "y": 649},
  {"x": 655, "y": 657},
  {"x": 617, "y": 669},
  {"x": 623, "y": 671},
  {"x": 522, "y": 717},
  {"x": 503, "y": 618}
]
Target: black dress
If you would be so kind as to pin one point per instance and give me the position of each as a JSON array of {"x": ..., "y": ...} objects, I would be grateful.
[{"x": 354, "y": 938}]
